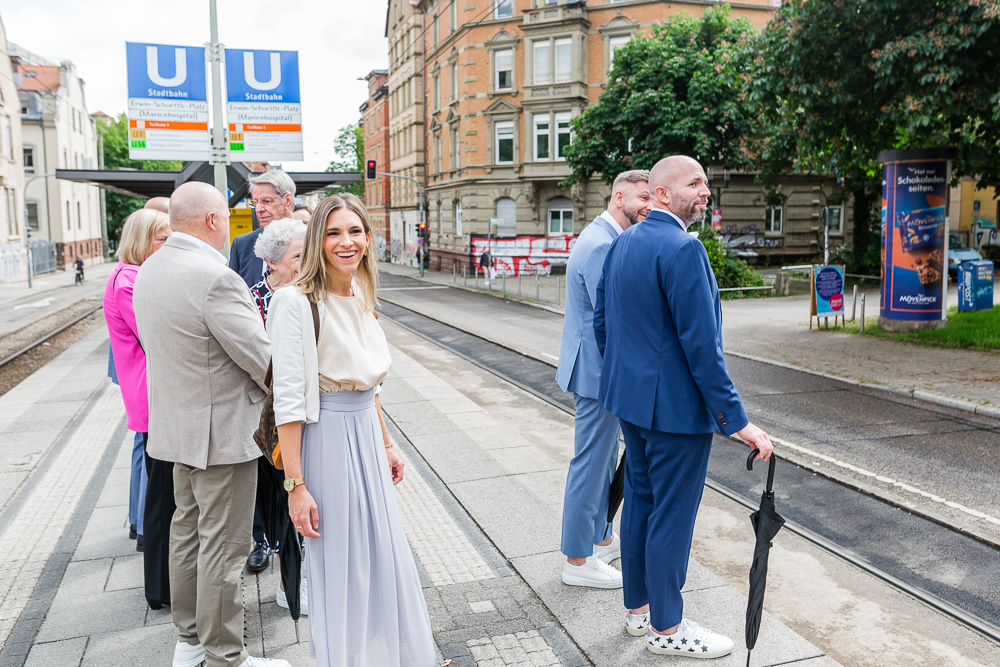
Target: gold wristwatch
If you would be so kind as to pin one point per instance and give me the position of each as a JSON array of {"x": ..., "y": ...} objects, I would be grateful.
[{"x": 292, "y": 482}]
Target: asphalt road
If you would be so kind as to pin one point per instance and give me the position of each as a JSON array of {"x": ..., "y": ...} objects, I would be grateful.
[
  {"x": 936, "y": 450},
  {"x": 19, "y": 309}
]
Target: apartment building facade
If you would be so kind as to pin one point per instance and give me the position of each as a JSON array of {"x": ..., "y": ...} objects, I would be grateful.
[
  {"x": 404, "y": 28},
  {"x": 503, "y": 80},
  {"x": 375, "y": 124},
  {"x": 13, "y": 258},
  {"x": 58, "y": 133}
]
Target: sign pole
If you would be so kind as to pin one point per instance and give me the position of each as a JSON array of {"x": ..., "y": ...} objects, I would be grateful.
[{"x": 218, "y": 127}]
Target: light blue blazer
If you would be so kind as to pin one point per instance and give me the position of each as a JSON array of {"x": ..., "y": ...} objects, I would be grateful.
[
  {"x": 579, "y": 359},
  {"x": 658, "y": 322}
]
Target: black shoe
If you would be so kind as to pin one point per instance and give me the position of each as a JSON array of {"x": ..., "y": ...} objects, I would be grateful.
[
  {"x": 258, "y": 560},
  {"x": 132, "y": 532},
  {"x": 139, "y": 545}
]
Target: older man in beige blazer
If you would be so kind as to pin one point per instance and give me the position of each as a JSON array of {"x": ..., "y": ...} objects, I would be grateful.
[{"x": 206, "y": 355}]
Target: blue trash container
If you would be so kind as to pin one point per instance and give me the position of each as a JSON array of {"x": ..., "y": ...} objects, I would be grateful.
[{"x": 975, "y": 285}]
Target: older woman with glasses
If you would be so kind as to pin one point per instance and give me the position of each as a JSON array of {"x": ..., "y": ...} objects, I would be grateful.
[{"x": 279, "y": 246}]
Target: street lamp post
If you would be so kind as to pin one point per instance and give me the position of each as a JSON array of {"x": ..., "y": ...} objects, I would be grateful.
[{"x": 28, "y": 249}]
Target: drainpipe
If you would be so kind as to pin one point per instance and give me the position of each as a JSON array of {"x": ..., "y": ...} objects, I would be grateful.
[{"x": 48, "y": 202}]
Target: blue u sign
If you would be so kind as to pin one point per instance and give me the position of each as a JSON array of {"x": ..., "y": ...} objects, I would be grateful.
[
  {"x": 156, "y": 71},
  {"x": 262, "y": 76}
]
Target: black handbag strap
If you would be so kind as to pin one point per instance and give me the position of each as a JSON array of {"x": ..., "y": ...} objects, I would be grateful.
[
  {"x": 269, "y": 375},
  {"x": 770, "y": 468}
]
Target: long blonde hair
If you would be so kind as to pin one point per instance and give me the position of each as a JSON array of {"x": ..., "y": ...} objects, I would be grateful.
[
  {"x": 312, "y": 280},
  {"x": 137, "y": 235}
]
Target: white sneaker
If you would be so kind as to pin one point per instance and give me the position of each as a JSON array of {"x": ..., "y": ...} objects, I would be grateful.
[
  {"x": 188, "y": 655},
  {"x": 691, "y": 641},
  {"x": 594, "y": 573},
  {"x": 254, "y": 661},
  {"x": 282, "y": 599},
  {"x": 611, "y": 551},
  {"x": 636, "y": 624}
]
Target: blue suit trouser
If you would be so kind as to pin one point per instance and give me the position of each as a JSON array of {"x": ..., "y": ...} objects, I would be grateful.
[
  {"x": 588, "y": 484},
  {"x": 664, "y": 479}
]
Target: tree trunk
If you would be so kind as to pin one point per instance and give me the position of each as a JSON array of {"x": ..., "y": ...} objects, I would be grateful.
[{"x": 864, "y": 226}]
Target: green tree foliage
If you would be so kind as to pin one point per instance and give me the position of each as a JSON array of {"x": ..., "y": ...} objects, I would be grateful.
[
  {"x": 675, "y": 91},
  {"x": 350, "y": 149},
  {"x": 836, "y": 82},
  {"x": 119, "y": 207},
  {"x": 730, "y": 270}
]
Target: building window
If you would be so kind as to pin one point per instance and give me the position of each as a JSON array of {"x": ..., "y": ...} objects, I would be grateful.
[
  {"x": 773, "y": 217},
  {"x": 437, "y": 152},
  {"x": 79, "y": 216},
  {"x": 541, "y": 61},
  {"x": 560, "y": 216},
  {"x": 504, "y": 63},
  {"x": 440, "y": 219},
  {"x": 504, "y": 9},
  {"x": 507, "y": 211},
  {"x": 505, "y": 142},
  {"x": 835, "y": 219},
  {"x": 65, "y": 159},
  {"x": 69, "y": 222},
  {"x": 564, "y": 59},
  {"x": 437, "y": 92},
  {"x": 542, "y": 134},
  {"x": 453, "y": 15},
  {"x": 614, "y": 44},
  {"x": 454, "y": 82},
  {"x": 435, "y": 29},
  {"x": 8, "y": 143},
  {"x": 458, "y": 218},
  {"x": 456, "y": 149},
  {"x": 562, "y": 134},
  {"x": 5, "y": 193},
  {"x": 29, "y": 160},
  {"x": 32, "y": 220}
]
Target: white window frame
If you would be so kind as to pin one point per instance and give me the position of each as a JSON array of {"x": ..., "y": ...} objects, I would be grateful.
[
  {"x": 458, "y": 218},
  {"x": 27, "y": 212},
  {"x": 454, "y": 82},
  {"x": 541, "y": 75},
  {"x": 496, "y": 209},
  {"x": 503, "y": 53},
  {"x": 615, "y": 43},
  {"x": 839, "y": 229},
  {"x": 456, "y": 148},
  {"x": 560, "y": 119},
  {"x": 562, "y": 220},
  {"x": 538, "y": 133},
  {"x": 453, "y": 15},
  {"x": 770, "y": 219},
  {"x": 502, "y": 9},
  {"x": 437, "y": 92},
  {"x": 562, "y": 45},
  {"x": 29, "y": 155},
  {"x": 507, "y": 128}
]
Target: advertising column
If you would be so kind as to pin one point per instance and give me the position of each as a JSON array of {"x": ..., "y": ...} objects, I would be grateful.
[
  {"x": 914, "y": 237},
  {"x": 167, "y": 102},
  {"x": 264, "y": 114}
]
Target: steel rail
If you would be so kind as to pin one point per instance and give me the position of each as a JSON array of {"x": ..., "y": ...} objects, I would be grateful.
[
  {"x": 990, "y": 631},
  {"x": 49, "y": 335}
]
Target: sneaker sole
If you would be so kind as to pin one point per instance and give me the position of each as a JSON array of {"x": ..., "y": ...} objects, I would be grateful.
[
  {"x": 684, "y": 653},
  {"x": 586, "y": 583},
  {"x": 635, "y": 632}
]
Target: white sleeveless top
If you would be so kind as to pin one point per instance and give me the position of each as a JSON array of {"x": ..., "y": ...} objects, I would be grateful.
[{"x": 352, "y": 352}]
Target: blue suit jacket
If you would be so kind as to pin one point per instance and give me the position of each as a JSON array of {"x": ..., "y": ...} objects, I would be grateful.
[
  {"x": 579, "y": 359},
  {"x": 243, "y": 261},
  {"x": 658, "y": 323}
]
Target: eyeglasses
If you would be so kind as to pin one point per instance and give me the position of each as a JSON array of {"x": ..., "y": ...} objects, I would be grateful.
[{"x": 266, "y": 201}]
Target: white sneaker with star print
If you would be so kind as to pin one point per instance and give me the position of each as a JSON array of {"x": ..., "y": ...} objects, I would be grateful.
[
  {"x": 636, "y": 624},
  {"x": 691, "y": 641}
]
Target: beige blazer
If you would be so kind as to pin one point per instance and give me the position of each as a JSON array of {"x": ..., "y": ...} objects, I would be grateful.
[{"x": 206, "y": 355}]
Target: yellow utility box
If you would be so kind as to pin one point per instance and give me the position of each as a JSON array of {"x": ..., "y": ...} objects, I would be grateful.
[{"x": 240, "y": 222}]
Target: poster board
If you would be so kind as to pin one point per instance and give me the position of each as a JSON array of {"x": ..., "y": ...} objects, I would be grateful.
[{"x": 826, "y": 290}]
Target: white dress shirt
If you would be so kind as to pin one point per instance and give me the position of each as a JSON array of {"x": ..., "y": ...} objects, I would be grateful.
[
  {"x": 611, "y": 221},
  {"x": 663, "y": 210},
  {"x": 212, "y": 252}
]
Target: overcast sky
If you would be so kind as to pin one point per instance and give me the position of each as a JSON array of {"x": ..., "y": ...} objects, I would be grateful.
[{"x": 337, "y": 40}]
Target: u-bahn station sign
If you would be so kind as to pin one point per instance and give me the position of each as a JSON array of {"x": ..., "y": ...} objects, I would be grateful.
[
  {"x": 263, "y": 105},
  {"x": 167, "y": 102}
]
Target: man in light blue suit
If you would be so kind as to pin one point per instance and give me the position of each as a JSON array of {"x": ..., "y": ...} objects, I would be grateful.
[
  {"x": 658, "y": 325},
  {"x": 587, "y": 539}
]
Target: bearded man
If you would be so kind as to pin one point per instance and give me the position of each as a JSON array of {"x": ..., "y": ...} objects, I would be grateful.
[{"x": 658, "y": 325}]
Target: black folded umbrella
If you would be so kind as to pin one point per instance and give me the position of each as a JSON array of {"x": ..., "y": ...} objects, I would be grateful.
[
  {"x": 766, "y": 524},
  {"x": 272, "y": 507},
  {"x": 617, "y": 490}
]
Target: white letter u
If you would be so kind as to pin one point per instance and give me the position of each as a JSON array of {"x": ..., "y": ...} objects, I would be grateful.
[
  {"x": 153, "y": 68},
  {"x": 251, "y": 77}
]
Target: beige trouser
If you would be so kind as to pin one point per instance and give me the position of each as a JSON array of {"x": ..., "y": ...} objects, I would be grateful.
[{"x": 209, "y": 545}]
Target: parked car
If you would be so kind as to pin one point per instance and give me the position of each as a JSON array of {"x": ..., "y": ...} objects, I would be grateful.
[{"x": 958, "y": 253}]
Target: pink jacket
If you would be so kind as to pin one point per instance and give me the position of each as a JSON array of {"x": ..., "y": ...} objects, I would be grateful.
[{"x": 130, "y": 360}]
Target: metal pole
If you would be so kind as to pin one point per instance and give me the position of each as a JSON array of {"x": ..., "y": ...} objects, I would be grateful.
[
  {"x": 862, "y": 312},
  {"x": 505, "y": 283},
  {"x": 219, "y": 154},
  {"x": 826, "y": 236},
  {"x": 454, "y": 274},
  {"x": 854, "y": 303},
  {"x": 947, "y": 243},
  {"x": 465, "y": 277},
  {"x": 537, "y": 288},
  {"x": 518, "y": 284},
  {"x": 558, "y": 293}
]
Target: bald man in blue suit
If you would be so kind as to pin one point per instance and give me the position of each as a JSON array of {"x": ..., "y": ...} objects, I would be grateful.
[{"x": 658, "y": 325}]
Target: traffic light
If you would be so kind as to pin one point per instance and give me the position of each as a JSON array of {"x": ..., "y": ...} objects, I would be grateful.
[{"x": 371, "y": 169}]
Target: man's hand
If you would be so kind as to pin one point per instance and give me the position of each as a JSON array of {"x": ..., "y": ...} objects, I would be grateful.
[
  {"x": 757, "y": 439},
  {"x": 303, "y": 511}
]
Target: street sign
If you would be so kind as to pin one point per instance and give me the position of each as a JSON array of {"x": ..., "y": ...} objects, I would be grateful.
[
  {"x": 263, "y": 109},
  {"x": 717, "y": 219},
  {"x": 167, "y": 102}
]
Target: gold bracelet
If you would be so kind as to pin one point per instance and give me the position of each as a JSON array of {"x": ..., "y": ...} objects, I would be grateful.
[{"x": 389, "y": 446}]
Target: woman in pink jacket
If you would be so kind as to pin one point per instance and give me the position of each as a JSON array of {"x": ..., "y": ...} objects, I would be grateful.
[{"x": 144, "y": 232}]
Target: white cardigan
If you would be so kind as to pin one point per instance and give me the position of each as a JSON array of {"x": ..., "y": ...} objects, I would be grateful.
[{"x": 293, "y": 355}]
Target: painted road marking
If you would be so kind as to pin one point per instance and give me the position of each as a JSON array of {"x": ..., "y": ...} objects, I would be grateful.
[
  {"x": 888, "y": 480},
  {"x": 550, "y": 356},
  {"x": 36, "y": 304}
]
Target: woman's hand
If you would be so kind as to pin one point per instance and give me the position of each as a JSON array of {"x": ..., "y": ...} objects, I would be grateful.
[
  {"x": 303, "y": 511},
  {"x": 395, "y": 465}
]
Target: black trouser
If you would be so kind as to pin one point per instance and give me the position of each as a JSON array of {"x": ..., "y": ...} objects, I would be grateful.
[{"x": 156, "y": 549}]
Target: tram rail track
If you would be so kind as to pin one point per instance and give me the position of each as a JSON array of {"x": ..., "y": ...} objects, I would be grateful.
[
  {"x": 409, "y": 320},
  {"x": 55, "y": 332}
]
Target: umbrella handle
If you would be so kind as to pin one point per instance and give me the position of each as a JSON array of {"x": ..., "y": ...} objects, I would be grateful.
[{"x": 770, "y": 468}]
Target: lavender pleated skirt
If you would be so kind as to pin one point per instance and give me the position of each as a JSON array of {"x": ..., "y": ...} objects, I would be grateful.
[{"x": 366, "y": 607}]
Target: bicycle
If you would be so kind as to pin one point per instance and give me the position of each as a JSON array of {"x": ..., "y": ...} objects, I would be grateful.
[{"x": 79, "y": 276}]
